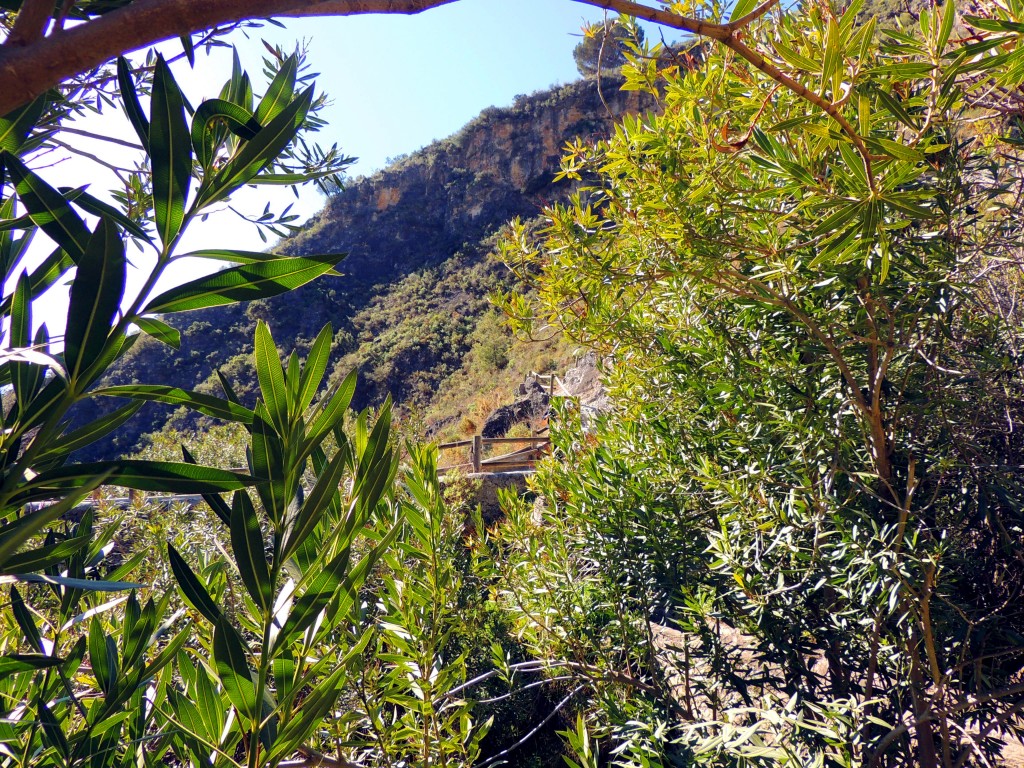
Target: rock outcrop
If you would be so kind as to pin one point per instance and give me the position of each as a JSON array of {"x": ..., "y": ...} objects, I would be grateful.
[
  {"x": 423, "y": 220},
  {"x": 532, "y": 405}
]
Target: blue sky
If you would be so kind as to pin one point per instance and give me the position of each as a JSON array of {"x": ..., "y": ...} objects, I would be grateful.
[{"x": 396, "y": 82}]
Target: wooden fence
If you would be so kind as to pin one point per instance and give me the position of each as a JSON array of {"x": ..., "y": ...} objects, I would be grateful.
[{"x": 520, "y": 459}]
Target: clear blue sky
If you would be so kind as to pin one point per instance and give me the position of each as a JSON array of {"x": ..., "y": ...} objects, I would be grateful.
[{"x": 398, "y": 82}]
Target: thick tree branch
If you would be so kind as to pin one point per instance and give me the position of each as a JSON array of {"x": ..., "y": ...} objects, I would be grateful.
[
  {"x": 31, "y": 22},
  {"x": 719, "y": 32},
  {"x": 28, "y": 70}
]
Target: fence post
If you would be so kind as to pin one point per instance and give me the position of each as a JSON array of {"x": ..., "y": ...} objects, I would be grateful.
[{"x": 478, "y": 451}]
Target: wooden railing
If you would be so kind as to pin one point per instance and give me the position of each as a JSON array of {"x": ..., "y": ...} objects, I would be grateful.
[{"x": 522, "y": 459}]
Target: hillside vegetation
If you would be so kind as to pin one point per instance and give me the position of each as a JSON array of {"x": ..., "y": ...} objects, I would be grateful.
[
  {"x": 795, "y": 536},
  {"x": 418, "y": 240}
]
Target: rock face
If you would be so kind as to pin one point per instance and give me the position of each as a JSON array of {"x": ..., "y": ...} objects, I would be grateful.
[
  {"x": 583, "y": 381},
  {"x": 532, "y": 405},
  {"x": 424, "y": 220},
  {"x": 426, "y": 206}
]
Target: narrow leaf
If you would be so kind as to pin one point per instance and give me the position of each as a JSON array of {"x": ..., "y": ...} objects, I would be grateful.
[
  {"x": 229, "y": 655},
  {"x": 280, "y": 92},
  {"x": 315, "y": 367},
  {"x": 95, "y": 298},
  {"x": 16, "y": 126},
  {"x": 48, "y": 209},
  {"x": 271, "y": 376},
  {"x": 248, "y": 549},
  {"x": 130, "y": 100},
  {"x": 243, "y": 283},
  {"x": 192, "y": 589},
  {"x": 160, "y": 331},
  {"x": 197, "y": 401},
  {"x": 170, "y": 153}
]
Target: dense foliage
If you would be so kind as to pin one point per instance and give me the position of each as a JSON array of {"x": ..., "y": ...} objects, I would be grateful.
[
  {"x": 797, "y": 540},
  {"x": 409, "y": 306}
]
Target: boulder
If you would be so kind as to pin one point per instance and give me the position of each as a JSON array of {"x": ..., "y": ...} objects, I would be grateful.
[{"x": 533, "y": 403}]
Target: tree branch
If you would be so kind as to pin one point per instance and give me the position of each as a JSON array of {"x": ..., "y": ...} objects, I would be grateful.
[
  {"x": 30, "y": 23},
  {"x": 755, "y": 14},
  {"x": 720, "y": 32},
  {"x": 776, "y": 74},
  {"x": 29, "y": 70}
]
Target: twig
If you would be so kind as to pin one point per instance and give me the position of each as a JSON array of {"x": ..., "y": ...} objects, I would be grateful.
[{"x": 534, "y": 730}]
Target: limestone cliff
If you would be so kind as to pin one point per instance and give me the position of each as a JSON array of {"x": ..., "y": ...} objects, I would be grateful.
[{"x": 408, "y": 308}]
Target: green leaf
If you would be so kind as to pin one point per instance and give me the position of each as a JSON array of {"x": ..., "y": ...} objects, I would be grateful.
[
  {"x": 16, "y": 126},
  {"x": 44, "y": 557},
  {"x": 52, "y": 269},
  {"x": 238, "y": 120},
  {"x": 197, "y": 401},
  {"x": 948, "y": 19},
  {"x": 52, "y": 732},
  {"x": 215, "y": 502},
  {"x": 837, "y": 219},
  {"x": 26, "y": 377},
  {"x": 243, "y": 283},
  {"x": 48, "y": 209},
  {"x": 165, "y": 476},
  {"x": 130, "y": 101},
  {"x": 316, "y": 708},
  {"x": 170, "y": 153},
  {"x": 895, "y": 149},
  {"x": 15, "y": 534},
  {"x": 229, "y": 391},
  {"x": 229, "y": 654},
  {"x": 259, "y": 152},
  {"x": 855, "y": 163},
  {"x": 995, "y": 25},
  {"x": 97, "y": 207},
  {"x": 248, "y": 549},
  {"x": 70, "y": 583},
  {"x": 160, "y": 331},
  {"x": 91, "y": 432},
  {"x": 188, "y": 47},
  {"x": 742, "y": 8},
  {"x": 192, "y": 589},
  {"x": 280, "y": 92},
  {"x": 95, "y": 298},
  {"x": 238, "y": 89},
  {"x": 317, "y": 595},
  {"x": 318, "y": 500},
  {"x": 26, "y": 621},
  {"x": 26, "y": 662},
  {"x": 103, "y": 657},
  {"x": 267, "y": 461},
  {"x": 893, "y": 105},
  {"x": 271, "y": 376},
  {"x": 331, "y": 411},
  {"x": 315, "y": 367}
]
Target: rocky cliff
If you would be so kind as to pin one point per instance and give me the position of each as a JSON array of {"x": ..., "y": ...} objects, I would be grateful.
[{"x": 407, "y": 310}]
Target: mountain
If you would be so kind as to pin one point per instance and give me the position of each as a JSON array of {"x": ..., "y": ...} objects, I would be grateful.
[{"x": 410, "y": 309}]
